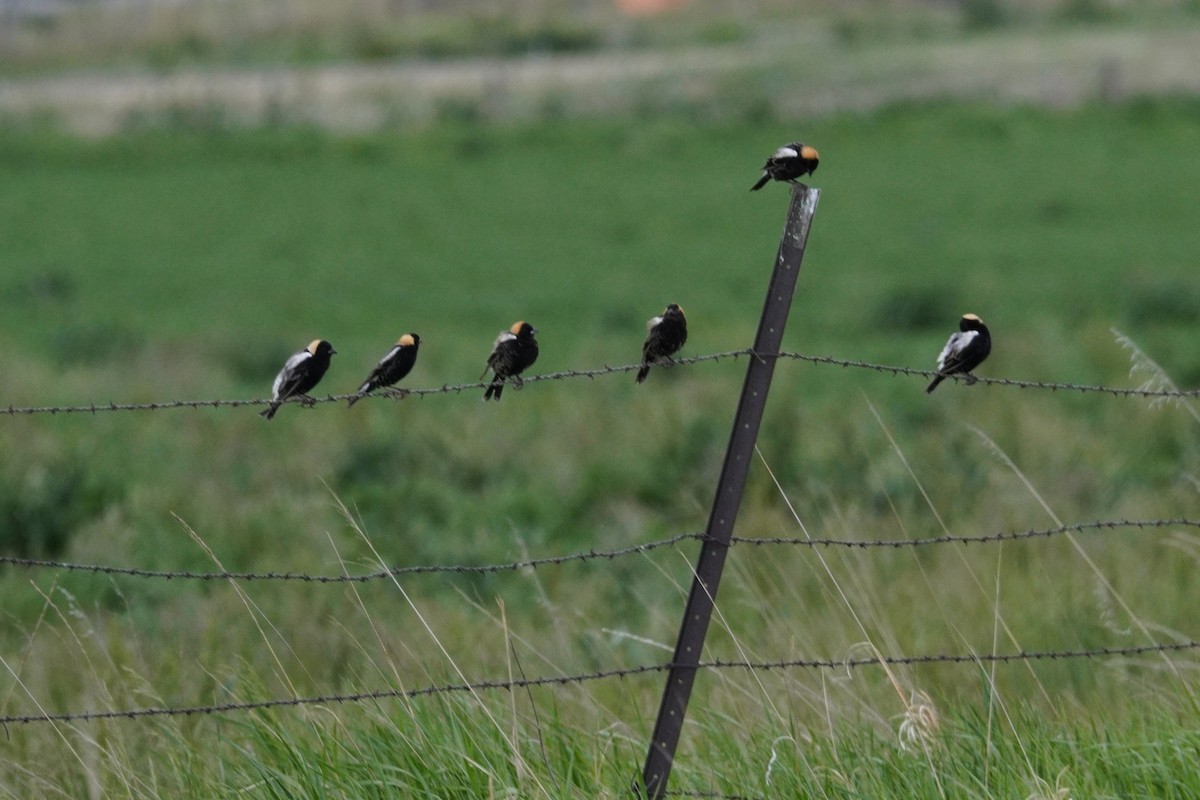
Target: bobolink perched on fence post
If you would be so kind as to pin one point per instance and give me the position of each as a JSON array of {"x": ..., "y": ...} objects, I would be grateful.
[
  {"x": 392, "y": 367},
  {"x": 665, "y": 335},
  {"x": 965, "y": 351},
  {"x": 513, "y": 351},
  {"x": 789, "y": 163},
  {"x": 301, "y": 372}
]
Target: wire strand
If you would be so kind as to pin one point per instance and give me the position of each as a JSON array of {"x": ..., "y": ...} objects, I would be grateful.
[
  {"x": 1020, "y": 384},
  {"x": 463, "y": 569},
  {"x": 568, "y": 374},
  {"x": 560, "y": 680},
  {"x": 589, "y": 555},
  {"x": 1043, "y": 533},
  {"x": 396, "y": 393}
]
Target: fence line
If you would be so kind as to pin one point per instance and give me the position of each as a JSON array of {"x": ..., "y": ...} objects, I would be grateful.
[
  {"x": 887, "y": 369},
  {"x": 561, "y": 680},
  {"x": 1020, "y": 384},
  {"x": 397, "y": 393},
  {"x": 588, "y": 555},
  {"x": 512, "y": 566},
  {"x": 1043, "y": 533},
  {"x": 461, "y": 569}
]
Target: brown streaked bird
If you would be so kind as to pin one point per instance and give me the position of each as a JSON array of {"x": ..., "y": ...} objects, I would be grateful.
[
  {"x": 789, "y": 163},
  {"x": 513, "y": 352},
  {"x": 965, "y": 350},
  {"x": 665, "y": 335},
  {"x": 301, "y": 372},
  {"x": 391, "y": 368}
]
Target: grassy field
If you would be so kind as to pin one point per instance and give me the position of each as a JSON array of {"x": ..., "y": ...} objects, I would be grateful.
[{"x": 180, "y": 265}]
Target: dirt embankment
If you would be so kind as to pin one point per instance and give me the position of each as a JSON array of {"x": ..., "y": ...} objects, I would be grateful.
[{"x": 802, "y": 79}]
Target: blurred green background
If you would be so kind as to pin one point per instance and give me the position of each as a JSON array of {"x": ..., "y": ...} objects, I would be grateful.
[{"x": 191, "y": 192}]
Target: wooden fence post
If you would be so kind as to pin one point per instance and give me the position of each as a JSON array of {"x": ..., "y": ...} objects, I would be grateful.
[{"x": 707, "y": 576}]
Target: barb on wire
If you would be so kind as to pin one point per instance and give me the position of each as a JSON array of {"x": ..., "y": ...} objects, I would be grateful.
[
  {"x": 563, "y": 680},
  {"x": 462, "y": 569},
  {"x": 96, "y": 408},
  {"x": 1044, "y": 533}
]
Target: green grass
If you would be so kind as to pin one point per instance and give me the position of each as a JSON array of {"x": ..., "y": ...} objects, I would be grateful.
[{"x": 173, "y": 265}]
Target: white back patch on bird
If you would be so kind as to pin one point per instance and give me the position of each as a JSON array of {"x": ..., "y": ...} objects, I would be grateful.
[
  {"x": 957, "y": 343},
  {"x": 289, "y": 367}
]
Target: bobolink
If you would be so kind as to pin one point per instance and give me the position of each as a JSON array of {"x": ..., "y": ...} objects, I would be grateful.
[
  {"x": 301, "y": 372},
  {"x": 513, "y": 351},
  {"x": 665, "y": 335},
  {"x": 965, "y": 351},
  {"x": 392, "y": 367},
  {"x": 789, "y": 163}
]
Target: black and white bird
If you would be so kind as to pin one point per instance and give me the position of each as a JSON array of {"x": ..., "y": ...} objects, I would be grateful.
[
  {"x": 392, "y": 367},
  {"x": 301, "y": 372},
  {"x": 512, "y": 353},
  {"x": 965, "y": 351},
  {"x": 665, "y": 335},
  {"x": 789, "y": 163}
]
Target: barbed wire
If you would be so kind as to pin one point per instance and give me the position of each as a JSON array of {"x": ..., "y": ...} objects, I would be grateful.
[
  {"x": 468, "y": 569},
  {"x": 1043, "y": 533},
  {"x": 1020, "y": 384},
  {"x": 623, "y": 672},
  {"x": 587, "y": 555},
  {"x": 953, "y": 658},
  {"x": 568, "y": 374},
  {"x": 395, "y": 393}
]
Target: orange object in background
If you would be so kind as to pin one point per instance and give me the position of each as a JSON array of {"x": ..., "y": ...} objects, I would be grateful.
[{"x": 647, "y": 8}]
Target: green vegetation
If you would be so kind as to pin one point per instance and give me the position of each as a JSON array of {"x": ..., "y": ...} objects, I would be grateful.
[{"x": 174, "y": 264}]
